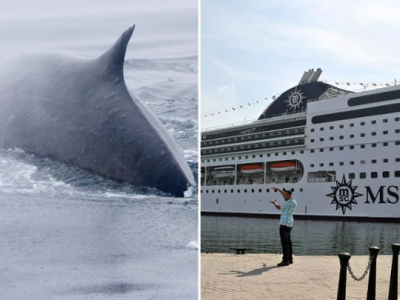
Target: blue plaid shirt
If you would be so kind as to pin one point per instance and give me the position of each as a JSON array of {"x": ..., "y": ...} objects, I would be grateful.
[{"x": 288, "y": 209}]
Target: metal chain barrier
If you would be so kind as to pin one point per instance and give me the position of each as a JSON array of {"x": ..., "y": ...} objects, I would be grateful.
[{"x": 365, "y": 272}]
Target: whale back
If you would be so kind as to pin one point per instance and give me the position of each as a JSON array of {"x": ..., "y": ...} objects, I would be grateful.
[{"x": 79, "y": 111}]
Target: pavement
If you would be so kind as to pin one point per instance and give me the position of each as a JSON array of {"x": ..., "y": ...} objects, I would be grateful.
[{"x": 256, "y": 276}]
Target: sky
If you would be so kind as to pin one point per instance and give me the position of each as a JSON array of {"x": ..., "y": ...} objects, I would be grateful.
[
  {"x": 89, "y": 27},
  {"x": 254, "y": 49}
]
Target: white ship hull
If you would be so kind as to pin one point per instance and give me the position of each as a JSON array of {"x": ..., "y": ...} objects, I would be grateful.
[{"x": 348, "y": 156}]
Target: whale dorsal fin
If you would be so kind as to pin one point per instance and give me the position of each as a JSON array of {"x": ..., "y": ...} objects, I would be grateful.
[{"x": 113, "y": 59}]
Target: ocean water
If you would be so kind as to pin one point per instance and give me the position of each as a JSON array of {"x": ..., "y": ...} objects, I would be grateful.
[
  {"x": 309, "y": 237},
  {"x": 66, "y": 233}
]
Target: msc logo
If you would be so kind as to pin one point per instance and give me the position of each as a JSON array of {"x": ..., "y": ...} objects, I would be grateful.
[
  {"x": 344, "y": 195},
  {"x": 295, "y": 99}
]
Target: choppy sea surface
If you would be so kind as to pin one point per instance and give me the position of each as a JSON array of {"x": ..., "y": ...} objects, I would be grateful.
[
  {"x": 69, "y": 234},
  {"x": 219, "y": 233}
]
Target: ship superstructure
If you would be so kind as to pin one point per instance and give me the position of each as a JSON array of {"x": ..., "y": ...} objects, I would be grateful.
[{"x": 338, "y": 151}]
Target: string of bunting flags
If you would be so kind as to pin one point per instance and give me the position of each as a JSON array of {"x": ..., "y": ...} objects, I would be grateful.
[{"x": 358, "y": 86}]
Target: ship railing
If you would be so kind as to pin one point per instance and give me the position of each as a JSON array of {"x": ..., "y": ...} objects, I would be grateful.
[{"x": 282, "y": 118}]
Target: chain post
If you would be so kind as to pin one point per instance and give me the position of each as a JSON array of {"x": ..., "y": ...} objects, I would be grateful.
[
  {"x": 373, "y": 251},
  {"x": 393, "y": 288},
  {"x": 344, "y": 258}
]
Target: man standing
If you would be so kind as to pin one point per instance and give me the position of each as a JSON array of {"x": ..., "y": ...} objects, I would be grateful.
[{"x": 286, "y": 224}]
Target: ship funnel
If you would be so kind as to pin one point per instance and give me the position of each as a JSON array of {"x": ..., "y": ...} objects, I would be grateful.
[{"x": 310, "y": 76}]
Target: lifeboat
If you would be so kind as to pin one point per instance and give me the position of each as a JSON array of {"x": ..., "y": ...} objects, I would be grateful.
[
  {"x": 283, "y": 167},
  {"x": 223, "y": 172},
  {"x": 252, "y": 169}
]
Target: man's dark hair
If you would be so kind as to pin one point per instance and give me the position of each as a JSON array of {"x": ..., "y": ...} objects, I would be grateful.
[{"x": 289, "y": 192}]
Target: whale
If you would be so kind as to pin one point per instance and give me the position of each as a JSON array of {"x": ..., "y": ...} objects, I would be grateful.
[{"x": 78, "y": 111}]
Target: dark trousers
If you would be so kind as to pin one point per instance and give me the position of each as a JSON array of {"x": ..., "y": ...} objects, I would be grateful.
[{"x": 286, "y": 243}]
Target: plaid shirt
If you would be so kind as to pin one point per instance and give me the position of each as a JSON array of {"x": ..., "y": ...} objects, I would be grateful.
[{"x": 288, "y": 209}]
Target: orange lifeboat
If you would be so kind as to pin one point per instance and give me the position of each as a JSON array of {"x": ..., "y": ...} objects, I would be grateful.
[
  {"x": 252, "y": 169},
  {"x": 286, "y": 166}
]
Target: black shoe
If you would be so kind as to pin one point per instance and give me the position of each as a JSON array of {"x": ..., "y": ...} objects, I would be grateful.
[
  {"x": 290, "y": 261},
  {"x": 283, "y": 263}
]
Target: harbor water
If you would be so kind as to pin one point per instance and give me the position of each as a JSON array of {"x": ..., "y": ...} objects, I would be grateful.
[{"x": 219, "y": 233}]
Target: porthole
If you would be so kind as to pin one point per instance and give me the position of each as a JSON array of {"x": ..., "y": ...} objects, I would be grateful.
[{"x": 301, "y": 189}]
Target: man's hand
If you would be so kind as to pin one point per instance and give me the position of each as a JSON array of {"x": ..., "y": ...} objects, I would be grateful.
[{"x": 273, "y": 202}]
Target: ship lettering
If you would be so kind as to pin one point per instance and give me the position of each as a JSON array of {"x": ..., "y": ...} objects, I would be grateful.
[{"x": 392, "y": 192}]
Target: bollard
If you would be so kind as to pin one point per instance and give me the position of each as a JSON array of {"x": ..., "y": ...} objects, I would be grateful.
[
  {"x": 344, "y": 258},
  {"x": 394, "y": 273},
  {"x": 373, "y": 252}
]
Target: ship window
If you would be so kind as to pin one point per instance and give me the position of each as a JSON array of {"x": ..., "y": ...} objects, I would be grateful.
[
  {"x": 321, "y": 139},
  {"x": 363, "y": 175},
  {"x": 252, "y": 190},
  {"x": 385, "y": 120},
  {"x": 247, "y": 156},
  {"x": 341, "y": 148},
  {"x": 351, "y": 163},
  {"x": 207, "y": 191},
  {"x": 385, "y": 174},
  {"x": 351, "y": 147},
  {"x": 385, "y": 132},
  {"x": 385, "y": 144},
  {"x": 397, "y": 131},
  {"x": 373, "y": 133},
  {"x": 341, "y": 137},
  {"x": 214, "y": 159},
  {"x": 312, "y": 140},
  {"x": 321, "y": 150},
  {"x": 341, "y": 126},
  {"x": 351, "y": 124},
  {"x": 331, "y": 149},
  {"x": 311, "y": 165},
  {"x": 312, "y": 130},
  {"x": 362, "y": 134},
  {"x": 352, "y": 175},
  {"x": 312, "y": 150},
  {"x": 284, "y": 153},
  {"x": 397, "y": 173},
  {"x": 219, "y": 191},
  {"x": 385, "y": 160},
  {"x": 362, "y": 123},
  {"x": 276, "y": 154},
  {"x": 397, "y": 119},
  {"x": 220, "y": 159},
  {"x": 260, "y": 190},
  {"x": 331, "y": 138},
  {"x": 231, "y": 191},
  {"x": 397, "y": 159},
  {"x": 362, "y": 146},
  {"x": 373, "y": 145},
  {"x": 341, "y": 163},
  {"x": 238, "y": 191},
  {"x": 301, "y": 151},
  {"x": 225, "y": 191},
  {"x": 208, "y": 160},
  {"x": 331, "y": 164},
  {"x": 374, "y": 174},
  {"x": 268, "y": 155},
  {"x": 397, "y": 143},
  {"x": 331, "y": 127},
  {"x": 351, "y": 136},
  {"x": 301, "y": 189},
  {"x": 261, "y": 155},
  {"x": 239, "y": 157},
  {"x": 321, "y": 129},
  {"x": 373, "y": 122},
  {"x": 362, "y": 162},
  {"x": 293, "y": 152},
  {"x": 321, "y": 176},
  {"x": 321, "y": 164},
  {"x": 245, "y": 190},
  {"x": 373, "y": 161},
  {"x": 254, "y": 156}
]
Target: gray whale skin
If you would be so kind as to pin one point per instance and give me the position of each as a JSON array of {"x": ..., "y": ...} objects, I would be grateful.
[{"x": 78, "y": 111}]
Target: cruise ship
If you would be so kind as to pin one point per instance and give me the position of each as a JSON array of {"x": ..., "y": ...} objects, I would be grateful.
[{"x": 338, "y": 151}]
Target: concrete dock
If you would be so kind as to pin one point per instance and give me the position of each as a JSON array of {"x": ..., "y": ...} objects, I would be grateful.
[{"x": 256, "y": 276}]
